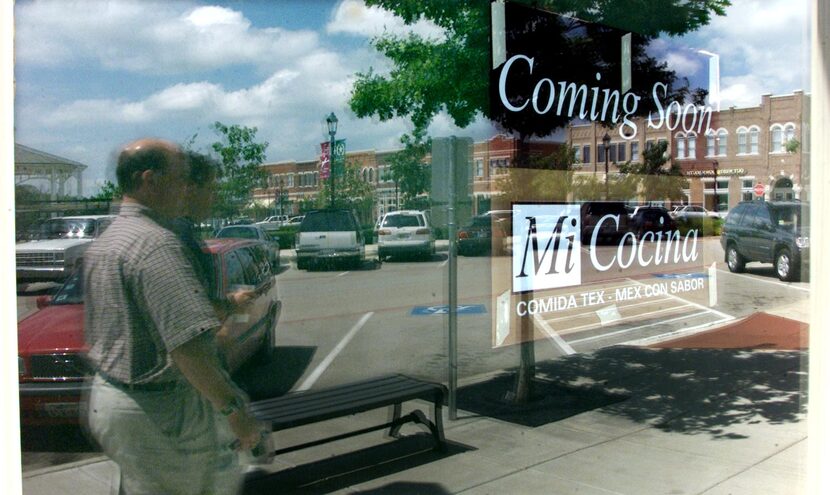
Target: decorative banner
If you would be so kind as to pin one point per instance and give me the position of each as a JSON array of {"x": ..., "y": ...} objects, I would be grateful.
[
  {"x": 339, "y": 157},
  {"x": 325, "y": 161}
]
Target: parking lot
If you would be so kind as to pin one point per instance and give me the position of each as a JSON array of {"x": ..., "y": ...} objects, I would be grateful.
[{"x": 341, "y": 325}]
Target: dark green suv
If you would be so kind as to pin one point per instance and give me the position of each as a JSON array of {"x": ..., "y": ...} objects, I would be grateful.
[{"x": 775, "y": 232}]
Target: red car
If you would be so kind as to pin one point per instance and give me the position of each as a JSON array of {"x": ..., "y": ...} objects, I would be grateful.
[{"x": 51, "y": 364}]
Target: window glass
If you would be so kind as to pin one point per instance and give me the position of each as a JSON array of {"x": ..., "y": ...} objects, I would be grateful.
[{"x": 234, "y": 270}]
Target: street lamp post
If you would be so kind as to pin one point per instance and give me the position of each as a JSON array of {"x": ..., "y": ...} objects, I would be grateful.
[
  {"x": 331, "y": 122},
  {"x": 606, "y": 140},
  {"x": 715, "y": 170},
  {"x": 282, "y": 185}
]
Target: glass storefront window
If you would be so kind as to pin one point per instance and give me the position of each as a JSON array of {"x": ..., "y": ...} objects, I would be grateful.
[{"x": 502, "y": 198}]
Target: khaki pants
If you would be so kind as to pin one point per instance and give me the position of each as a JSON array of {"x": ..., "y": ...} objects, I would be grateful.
[{"x": 166, "y": 442}]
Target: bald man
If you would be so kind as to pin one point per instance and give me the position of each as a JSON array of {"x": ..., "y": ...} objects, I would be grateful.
[{"x": 160, "y": 404}]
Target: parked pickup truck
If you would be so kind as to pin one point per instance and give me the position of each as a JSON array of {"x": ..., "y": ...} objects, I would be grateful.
[
  {"x": 54, "y": 247},
  {"x": 273, "y": 222},
  {"x": 329, "y": 235}
]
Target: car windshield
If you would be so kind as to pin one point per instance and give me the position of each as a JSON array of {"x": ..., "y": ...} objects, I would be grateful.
[
  {"x": 403, "y": 221},
  {"x": 71, "y": 292},
  {"x": 794, "y": 217},
  {"x": 328, "y": 221},
  {"x": 237, "y": 233},
  {"x": 64, "y": 228}
]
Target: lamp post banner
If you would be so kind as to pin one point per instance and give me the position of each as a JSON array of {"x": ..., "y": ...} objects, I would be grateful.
[{"x": 325, "y": 160}]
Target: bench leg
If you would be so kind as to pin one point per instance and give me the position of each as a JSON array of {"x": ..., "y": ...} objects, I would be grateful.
[
  {"x": 438, "y": 433},
  {"x": 395, "y": 421},
  {"x": 435, "y": 428}
]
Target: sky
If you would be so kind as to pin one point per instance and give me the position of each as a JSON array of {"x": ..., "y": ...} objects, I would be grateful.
[{"x": 93, "y": 75}]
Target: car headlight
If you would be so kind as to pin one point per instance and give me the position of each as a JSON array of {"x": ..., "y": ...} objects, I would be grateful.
[
  {"x": 802, "y": 242},
  {"x": 21, "y": 366}
]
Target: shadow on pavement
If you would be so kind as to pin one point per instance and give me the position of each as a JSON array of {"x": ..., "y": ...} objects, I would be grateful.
[
  {"x": 276, "y": 375},
  {"x": 549, "y": 401},
  {"x": 692, "y": 391},
  {"x": 346, "y": 470}
]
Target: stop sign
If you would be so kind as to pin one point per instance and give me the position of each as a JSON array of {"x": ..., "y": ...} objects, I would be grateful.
[{"x": 758, "y": 189}]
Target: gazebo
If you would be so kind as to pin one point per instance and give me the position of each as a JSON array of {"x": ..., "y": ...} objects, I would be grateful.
[{"x": 32, "y": 164}]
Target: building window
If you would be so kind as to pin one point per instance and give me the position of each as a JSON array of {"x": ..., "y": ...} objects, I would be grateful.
[
  {"x": 777, "y": 138},
  {"x": 710, "y": 144},
  {"x": 722, "y": 140},
  {"x": 621, "y": 152},
  {"x": 498, "y": 166},
  {"x": 754, "y": 132},
  {"x": 635, "y": 152},
  {"x": 586, "y": 154},
  {"x": 743, "y": 136},
  {"x": 576, "y": 153},
  {"x": 289, "y": 180},
  {"x": 680, "y": 144},
  {"x": 479, "y": 167},
  {"x": 612, "y": 153},
  {"x": 691, "y": 145}
]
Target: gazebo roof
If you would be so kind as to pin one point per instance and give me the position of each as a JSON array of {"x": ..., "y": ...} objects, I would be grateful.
[{"x": 30, "y": 158}]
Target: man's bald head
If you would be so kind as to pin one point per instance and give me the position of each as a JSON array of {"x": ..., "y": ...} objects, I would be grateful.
[{"x": 157, "y": 155}]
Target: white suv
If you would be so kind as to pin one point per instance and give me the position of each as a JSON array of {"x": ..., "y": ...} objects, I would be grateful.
[{"x": 405, "y": 232}]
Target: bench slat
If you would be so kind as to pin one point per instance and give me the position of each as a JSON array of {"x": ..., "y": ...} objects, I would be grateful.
[{"x": 299, "y": 408}]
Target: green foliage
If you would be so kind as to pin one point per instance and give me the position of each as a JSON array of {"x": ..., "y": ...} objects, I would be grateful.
[
  {"x": 543, "y": 178},
  {"x": 450, "y": 73},
  {"x": 792, "y": 145},
  {"x": 25, "y": 193},
  {"x": 240, "y": 172},
  {"x": 350, "y": 192},
  {"x": 651, "y": 179},
  {"x": 409, "y": 171},
  {"x": 108, "y": 192}
]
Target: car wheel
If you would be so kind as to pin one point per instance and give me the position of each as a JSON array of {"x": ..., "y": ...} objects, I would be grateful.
[
  {"x": 734, "y": 260},
  {"x": 784, "y": 266}
]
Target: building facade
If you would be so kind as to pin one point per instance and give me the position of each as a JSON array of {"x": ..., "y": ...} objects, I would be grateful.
[
  {"x": 745, "y": 149},
  {"x": 299, "y": 181}
]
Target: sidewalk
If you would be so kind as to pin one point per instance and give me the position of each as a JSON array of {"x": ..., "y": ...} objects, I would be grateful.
[{"x": 622, "y": 420}]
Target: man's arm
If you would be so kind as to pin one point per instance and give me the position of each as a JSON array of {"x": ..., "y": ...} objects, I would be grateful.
[{"x": 197, "y": 361}]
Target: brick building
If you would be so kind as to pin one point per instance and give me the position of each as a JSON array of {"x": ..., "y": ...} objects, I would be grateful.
[
  {"x": 755, "y": 145},
  {"x": 299, "y": 180}
]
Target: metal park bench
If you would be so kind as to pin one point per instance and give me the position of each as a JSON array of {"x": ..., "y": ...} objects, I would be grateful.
[{"x": 312, "y": 406}]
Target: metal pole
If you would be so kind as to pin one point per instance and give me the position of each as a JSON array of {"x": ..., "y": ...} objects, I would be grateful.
[
  {"x": 331, "y": 166},
  {"x": 452, "y": 345},
  {"x": 606, "y": 172}
]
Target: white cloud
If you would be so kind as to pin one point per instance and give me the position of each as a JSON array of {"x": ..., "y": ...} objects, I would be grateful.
[
  {"x": 763, "y": 47},
  {"x": 354, "y": 17},
  {"x": 151, "y": 37},
  {"x": 683, "y": 64}
]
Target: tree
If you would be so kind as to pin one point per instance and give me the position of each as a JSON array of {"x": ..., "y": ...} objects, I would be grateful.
[
  {"x": 240, "y": 171},
  {"x": 350, "y": 192},
  {"x": 409, "y": 170},
  {"x": 108, "y": 192},
  {"x": 651, "y": 179},
  {"x": 452, "y": 73},
  {"x": 27, "y": 193}
]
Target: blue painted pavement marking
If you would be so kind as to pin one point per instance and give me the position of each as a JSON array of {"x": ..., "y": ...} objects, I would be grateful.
[{"x": 463, "y": 309}]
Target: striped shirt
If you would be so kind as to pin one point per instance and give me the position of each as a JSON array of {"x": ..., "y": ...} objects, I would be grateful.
[{"x": 143, "y": 299}]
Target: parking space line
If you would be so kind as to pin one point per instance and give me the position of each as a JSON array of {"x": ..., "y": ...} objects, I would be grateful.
[
  {"x": 640, "y": 315},
  {"x": 686, "y": 301},
  {"x": 554, "y": 337},
  {"x": 341, "y": 274},
  {"x": 626, "y": 330},
  {"x": 771, "y": 282},
  {"x": 685, "y": 332},
  {"x": 621, "y": 307},
  {"x": 321, "y": 368}
]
